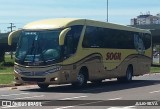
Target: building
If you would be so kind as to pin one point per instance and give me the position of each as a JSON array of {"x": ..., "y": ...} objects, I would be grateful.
[
  {"x": 151, "y": 23},
  {"x": 146, "y": 19}
]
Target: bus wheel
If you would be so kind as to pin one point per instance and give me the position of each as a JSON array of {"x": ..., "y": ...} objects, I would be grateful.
[
  {"x": 129, "y": 74},
  {"x": 81, "y": 80},
  {"x": 43, "y": 86},
  {"x": 128, "y": 77}
]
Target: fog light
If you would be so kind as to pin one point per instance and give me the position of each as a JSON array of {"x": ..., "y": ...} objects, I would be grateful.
[{"x": 54, "y": 79}]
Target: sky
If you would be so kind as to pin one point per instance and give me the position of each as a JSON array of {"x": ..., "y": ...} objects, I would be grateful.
[{"x": 21, "y": 12}]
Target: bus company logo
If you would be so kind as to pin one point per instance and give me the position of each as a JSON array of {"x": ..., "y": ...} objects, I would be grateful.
[
  {"x": 6, "y": 104},
  {"x": 113, "y": 56}
]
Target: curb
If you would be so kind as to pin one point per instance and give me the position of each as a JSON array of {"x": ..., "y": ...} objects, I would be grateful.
[
  {"x": 6, "y": 85},
  {"x": 6, "y": 73},
  {"x": 10, "y": 85},
  {"x": 15, "y": 84}
]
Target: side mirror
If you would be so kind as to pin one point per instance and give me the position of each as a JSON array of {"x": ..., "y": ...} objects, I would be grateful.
[
  {"x": 62, "y": 35},
  {"x": 13, "y": 34}
]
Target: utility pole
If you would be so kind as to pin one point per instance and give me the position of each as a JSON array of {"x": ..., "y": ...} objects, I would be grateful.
[
  {"x": 107, "y": 10},
  {"x": 159, "y": 53},
  {"x": 11, "y": 27}
]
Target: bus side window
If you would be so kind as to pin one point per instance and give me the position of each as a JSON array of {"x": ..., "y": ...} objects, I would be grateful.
[
  {"x": 138, "y": 42},
  {"x": 147, "y": 40},
  {"x": 91, "y": 38}
]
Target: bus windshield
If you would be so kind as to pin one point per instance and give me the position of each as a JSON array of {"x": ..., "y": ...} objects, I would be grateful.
[{"x": 38, "y": 46}]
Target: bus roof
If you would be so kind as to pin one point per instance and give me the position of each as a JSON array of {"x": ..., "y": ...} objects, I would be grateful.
[
  {"x": 54, "y": 23},
  {"x": 66, "y": 22}
]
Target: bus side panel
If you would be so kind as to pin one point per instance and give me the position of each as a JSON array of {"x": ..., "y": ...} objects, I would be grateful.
[
  {"x": 144, "y": 64},
  {"x": 120, "y": 69}
]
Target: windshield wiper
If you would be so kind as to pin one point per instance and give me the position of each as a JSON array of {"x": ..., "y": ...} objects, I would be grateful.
[
  {"x": 42, "y": 56},
  {"x": 29, "y": 50}
]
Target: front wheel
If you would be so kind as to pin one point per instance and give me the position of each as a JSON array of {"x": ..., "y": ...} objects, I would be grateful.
[
  {"x": 43, "y": 86},
  {"x": 81, "y": 80}
]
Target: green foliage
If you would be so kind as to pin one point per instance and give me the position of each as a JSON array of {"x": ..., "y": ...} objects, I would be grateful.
[
  {"x": 9, "y": 60},
  {"x": 6, "y": 70},
  {"x": 7, "y": 66},
  {"x": 155, "y": 69},
  {"x": 6, "y": 78}
]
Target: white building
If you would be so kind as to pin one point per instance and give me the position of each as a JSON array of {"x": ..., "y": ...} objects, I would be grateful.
[{"x": 146, "y": 19}]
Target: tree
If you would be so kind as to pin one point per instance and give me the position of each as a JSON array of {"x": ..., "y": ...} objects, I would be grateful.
[{"x": 2, "y": 55}]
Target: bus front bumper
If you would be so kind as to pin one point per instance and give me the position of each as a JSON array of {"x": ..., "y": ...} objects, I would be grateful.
[{"x": 54, "y": 78}]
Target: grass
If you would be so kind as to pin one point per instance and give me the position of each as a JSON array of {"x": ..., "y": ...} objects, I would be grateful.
[
  {"x": 7, "y": 67},
  {"x": 155, "y": 69},
  {"x": 8, "y": 59},
  {"x": 6, "y": 78}
]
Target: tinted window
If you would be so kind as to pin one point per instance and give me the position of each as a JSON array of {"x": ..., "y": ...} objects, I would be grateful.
[
  {"x": 90, "y": 37},
  {"x": 139, "y": 43},
  {"x": 147, "y": 40},
  {"x": 108, "y": 38}
]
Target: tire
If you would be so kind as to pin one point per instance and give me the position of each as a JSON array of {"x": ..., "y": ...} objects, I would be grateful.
[
  {"x": 128, "y": 77},
  {"x": 81, "y": 80},
  {"x": 43, "y": 86},
  {"x": 129, "y": 74}
]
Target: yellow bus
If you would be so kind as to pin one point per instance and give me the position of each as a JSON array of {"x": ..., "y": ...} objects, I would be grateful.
[{"x": 67, "y": 50}]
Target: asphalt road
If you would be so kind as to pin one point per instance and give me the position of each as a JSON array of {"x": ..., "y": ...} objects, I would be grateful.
[{"x": 143, "y": 90}]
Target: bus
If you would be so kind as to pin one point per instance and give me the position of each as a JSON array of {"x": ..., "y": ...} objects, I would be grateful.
[{"x": 69, "y": 50}]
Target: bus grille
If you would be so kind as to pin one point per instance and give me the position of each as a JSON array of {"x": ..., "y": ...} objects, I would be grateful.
[{"x": 33, "y": 79}]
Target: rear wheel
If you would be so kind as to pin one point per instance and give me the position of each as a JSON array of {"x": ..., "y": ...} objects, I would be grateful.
[
  {"x": 129, "y": 74},
  {"x": 128, "y": 77},
  {"x": 43, "y": 86}
]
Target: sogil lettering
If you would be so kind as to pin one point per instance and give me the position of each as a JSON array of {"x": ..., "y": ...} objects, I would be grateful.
[{"x": 113, "y": 56}]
